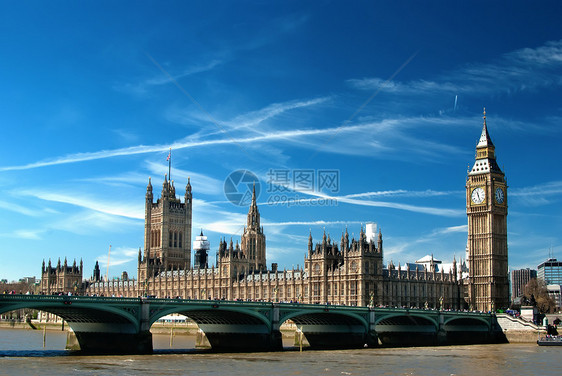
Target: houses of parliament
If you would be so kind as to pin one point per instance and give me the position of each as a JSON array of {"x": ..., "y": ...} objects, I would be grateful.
[{"x": 349, "y": 271}]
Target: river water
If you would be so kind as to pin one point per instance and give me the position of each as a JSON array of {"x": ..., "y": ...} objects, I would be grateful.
[{"x": 22, "y": 353}]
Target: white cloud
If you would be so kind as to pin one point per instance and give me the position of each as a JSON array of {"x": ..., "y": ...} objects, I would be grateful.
[
  {"x": 19, "y": 209},
  {"x": 310, "y": 223},
  {"x": 142, "y": 87},
  {"x": 28, "y": 234},
  {"x": 394, "y": 87},
  {"x": 200, "y": 182},
  {"x": 118, "y": 256},
  {"x": 34, "y": 234},
  {"x": 250, "y": 120},
  {"x": 403, "y": 193},
  {"x": 188, "y": 71},
  {"x": 209, "y": 217},
  {"x": 395, "y": 205},
  {"x": 379, "y": 134},
  {"x": 412, "y": 248},
  {"x": 538, "y": 195},
  {"x": 134, "y": 210},
  {"x": 519, "y": 70},
  {"x": 92, "y": 222}
]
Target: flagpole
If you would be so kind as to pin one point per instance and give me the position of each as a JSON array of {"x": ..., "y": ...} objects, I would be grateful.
[{"x": 170, "y": 165}]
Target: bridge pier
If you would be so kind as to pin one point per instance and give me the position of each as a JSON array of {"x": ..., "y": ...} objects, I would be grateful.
[
  {"x": 442, "y": 337},
  {"x": 245, "y": 342},
  {"x": 372, "y": 338},
  {"x": 115, "y": 343}
]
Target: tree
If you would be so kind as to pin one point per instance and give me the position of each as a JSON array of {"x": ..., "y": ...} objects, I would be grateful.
[{"x": 537, "y": 294}]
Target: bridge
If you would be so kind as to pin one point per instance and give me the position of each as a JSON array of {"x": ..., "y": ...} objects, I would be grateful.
[{"x": 122, "y": 325}]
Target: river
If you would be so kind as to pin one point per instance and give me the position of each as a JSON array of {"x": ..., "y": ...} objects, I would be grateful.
[{"x": 22, "y": 353}]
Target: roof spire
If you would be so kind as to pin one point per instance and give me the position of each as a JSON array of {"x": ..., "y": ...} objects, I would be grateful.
[{"x": 485, "y": 140}]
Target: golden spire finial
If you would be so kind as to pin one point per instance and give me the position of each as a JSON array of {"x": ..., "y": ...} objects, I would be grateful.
[{"x": 484, "y": 117}]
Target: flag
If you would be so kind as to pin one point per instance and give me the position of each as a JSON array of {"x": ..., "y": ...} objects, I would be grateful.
[{"x": 169, "y": 155}]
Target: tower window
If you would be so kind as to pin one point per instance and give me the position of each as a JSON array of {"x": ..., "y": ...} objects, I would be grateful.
[{"x": 179, "y": 240}]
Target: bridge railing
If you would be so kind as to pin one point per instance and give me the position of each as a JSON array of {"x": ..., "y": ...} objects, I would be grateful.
[
  {"x": 10, "y": 297},
  {"x": 327, "y": 307}
]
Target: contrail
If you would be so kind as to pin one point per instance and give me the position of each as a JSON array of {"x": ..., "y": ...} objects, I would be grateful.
[{"x": 455, "y": 108}]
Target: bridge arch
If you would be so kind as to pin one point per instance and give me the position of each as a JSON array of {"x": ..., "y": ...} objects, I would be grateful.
[
  {"x": 101, "y": 325},
  {"x": 407, "y": 319},
  {"x": 305, "y": 314},
  {"x": 474, "y": 322},
  {"x": 213, "y": 314},
  {"x": 467, "y": 329},
  {"x": 329, "y": 328},
  {"x": 77, "y": 312},
  {"x": 228, "y": 326},
  {"x": 407, "y": 329}
]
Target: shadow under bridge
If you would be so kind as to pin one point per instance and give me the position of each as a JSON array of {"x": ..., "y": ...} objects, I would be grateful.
[
  {"x": 330, "y": 327},
  {"x": 228, "y": 326},
  {"x": 407, "y": 329},
  {"x": 101, "y": 325}
]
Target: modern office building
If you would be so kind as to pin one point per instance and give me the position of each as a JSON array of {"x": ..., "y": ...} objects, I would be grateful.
[
  {"x": 550, "y": 272},
  {"x": 520, "y": 278}
]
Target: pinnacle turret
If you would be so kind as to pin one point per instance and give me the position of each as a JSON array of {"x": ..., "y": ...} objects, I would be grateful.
[
  {"x": 254, "y": 213},
  {"x": 485, "y": 140},
  {"x": 485, "y": 160}
]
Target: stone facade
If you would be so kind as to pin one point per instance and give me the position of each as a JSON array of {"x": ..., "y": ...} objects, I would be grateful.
[
  {"x": 167, "y": 232},
  {"x": 486, "y": 208},
  {"x": 61, "y": 279},
  {"x": 351, "y": 272}
]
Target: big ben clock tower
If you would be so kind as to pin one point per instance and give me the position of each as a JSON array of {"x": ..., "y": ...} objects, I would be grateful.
[{"x": 486, "y": 208}]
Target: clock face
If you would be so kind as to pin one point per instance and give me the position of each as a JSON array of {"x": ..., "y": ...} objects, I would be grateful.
[
  {"x": 500, "y": 196},
  {"x": 478, "y": 195}
]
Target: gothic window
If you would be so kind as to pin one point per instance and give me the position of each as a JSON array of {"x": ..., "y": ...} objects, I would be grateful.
[
  {"x": 316, "y": 269},
  {"x": 170, "y": 239},
  {"x": 316, "y": 290},
  {"x": 179, "y": 240},
  {"x": 175, "y": 239}
]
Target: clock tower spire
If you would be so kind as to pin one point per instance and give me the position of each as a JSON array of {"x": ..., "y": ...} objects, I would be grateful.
[{"x": 486, "y": 208}]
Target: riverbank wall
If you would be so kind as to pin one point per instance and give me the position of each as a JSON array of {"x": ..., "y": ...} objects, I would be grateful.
[{"x": 517, "y": 330}]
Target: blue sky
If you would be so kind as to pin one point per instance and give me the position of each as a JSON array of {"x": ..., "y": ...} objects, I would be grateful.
[{"x": 387, "y": 94}]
